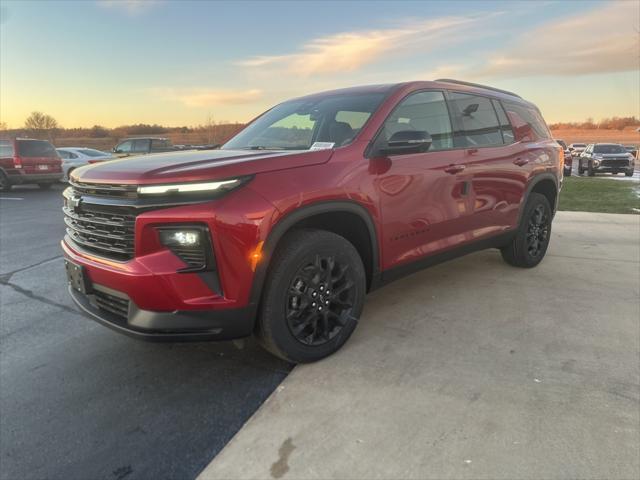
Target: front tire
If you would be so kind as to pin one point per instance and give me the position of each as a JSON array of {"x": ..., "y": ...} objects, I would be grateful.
[
  {"x": 313, "y": 298},
  {"x": 529, "y": 245},
  {"x": 628, "y": 174},
  {"x": 590, "y": 171}
]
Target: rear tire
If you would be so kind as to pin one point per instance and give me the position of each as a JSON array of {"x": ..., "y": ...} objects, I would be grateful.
[
  {"x": 313, "y": 297},
  {"x": 5, "y": 184},
  {"x": 529, "y": 245}
]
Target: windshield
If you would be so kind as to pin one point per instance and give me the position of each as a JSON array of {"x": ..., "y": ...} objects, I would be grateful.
[
  {"x": 299, "y": 124},
  {"x": 36, "y": 148},
  {"x": 609, "y": 149}
]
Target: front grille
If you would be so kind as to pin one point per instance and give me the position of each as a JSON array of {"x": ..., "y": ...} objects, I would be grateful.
[
  {"x": 614, "y": 162},
  {"x": 104, "y": 230},
  {"x": 104, "y": 190},
  {"x": 112, "y": 304}
]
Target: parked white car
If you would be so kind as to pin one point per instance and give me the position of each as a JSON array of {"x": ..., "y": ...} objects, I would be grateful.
[{"x": 74, "y": 157}]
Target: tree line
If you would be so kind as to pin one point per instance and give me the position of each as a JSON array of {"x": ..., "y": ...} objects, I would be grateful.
[{"x": 612, "y": 123}]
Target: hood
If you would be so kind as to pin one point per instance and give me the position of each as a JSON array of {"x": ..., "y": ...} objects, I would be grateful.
[{"x": 193, "y": 166}]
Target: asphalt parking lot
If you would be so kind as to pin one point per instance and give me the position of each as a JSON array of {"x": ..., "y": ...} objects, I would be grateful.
[{"x": 78, "y": 401}]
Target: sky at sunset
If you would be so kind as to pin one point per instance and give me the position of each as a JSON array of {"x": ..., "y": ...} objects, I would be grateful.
[{"x": 177, "y": 63}]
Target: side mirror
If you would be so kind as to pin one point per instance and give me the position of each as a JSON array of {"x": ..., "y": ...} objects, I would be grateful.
[
  {"x": 407, "y": 141},
  {"x": 115, "y": 150}
]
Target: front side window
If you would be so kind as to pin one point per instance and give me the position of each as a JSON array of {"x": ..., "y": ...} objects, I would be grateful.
[
  {"x": 422, "y": 111},
  {"x": 476, "y": 120},
  {"x": 298, "y": 124},
  {"x": 125, "y": 147}
]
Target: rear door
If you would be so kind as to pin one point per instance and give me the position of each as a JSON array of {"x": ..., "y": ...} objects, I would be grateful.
[
  {"x": 38, "y": 157},
  {"x": 495, "y": 166}
]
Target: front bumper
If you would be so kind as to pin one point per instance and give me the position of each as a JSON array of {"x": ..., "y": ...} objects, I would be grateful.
[
  {"x": 161, "y": 306},
  {"x": 177, "y": 326}
]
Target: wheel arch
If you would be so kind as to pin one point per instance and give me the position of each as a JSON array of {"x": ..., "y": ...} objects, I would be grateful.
[
  {"x": 545, "y": 184},
  {"x": 346, "y": 218}
]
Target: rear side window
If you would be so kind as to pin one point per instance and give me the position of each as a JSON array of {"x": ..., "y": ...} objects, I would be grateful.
[
  {"x": 6, "y": 148},
  {"x": 476, "y": 121},
  {"x": 36, "y": 148},
  {"x": 532, "y": 117},
  {"x": 505, "y": 127},
  {"x": 426, "y": 112},
  {"x": 157, "y": 144},
  {"x": 140, "y": 146}
]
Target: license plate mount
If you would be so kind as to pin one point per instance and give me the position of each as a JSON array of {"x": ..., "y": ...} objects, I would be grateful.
[{"x": 76, "y": 277}]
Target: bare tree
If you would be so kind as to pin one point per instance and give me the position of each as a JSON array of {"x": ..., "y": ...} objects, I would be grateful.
[
  {"x": 39, "y": 123},
  {"x": 3, "y": 126}
]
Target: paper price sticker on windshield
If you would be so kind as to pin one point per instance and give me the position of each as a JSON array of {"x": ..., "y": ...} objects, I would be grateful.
[{"x": 322, "y": 145}]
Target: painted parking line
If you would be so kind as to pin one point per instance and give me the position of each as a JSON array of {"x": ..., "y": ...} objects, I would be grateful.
[{"x": 11, "y": 198}]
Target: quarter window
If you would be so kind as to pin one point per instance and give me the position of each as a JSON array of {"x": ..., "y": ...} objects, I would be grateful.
[
  {"x": 476, "y": 121},
  {"x": 532, "y": 117},
  {"x": 426, "y": 112}
]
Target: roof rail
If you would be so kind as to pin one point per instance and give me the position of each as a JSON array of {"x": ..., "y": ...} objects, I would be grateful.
[{"x": 469, "y": 84}]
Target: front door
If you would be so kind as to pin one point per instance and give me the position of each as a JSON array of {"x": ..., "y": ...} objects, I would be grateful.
[{"x": 423, "y": 196}]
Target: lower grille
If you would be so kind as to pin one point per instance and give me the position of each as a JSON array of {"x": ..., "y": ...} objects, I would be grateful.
[
  {"x": 112, "y": 304},
  {"x": 614, "y": 163}
]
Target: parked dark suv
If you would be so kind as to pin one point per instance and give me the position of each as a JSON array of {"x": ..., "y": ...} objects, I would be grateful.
[
  {"x": 606, "y": 158},
  {"x": 282, "y": 231},
  {"x": 28, "y": 161}
]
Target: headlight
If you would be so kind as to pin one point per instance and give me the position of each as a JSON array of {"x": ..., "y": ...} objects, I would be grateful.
[{"x": 191, "y": 187}]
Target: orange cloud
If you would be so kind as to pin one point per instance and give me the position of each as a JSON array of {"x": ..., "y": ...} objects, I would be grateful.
[
  {"x": 604, "y": 40},
  {"x": 202, "y": 97},
  {"x": 349, "y": 51}
]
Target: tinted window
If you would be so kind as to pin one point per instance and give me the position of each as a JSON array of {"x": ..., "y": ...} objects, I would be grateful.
[
  {"x": 90, "y": 152},
  {"x": 297, "y": 124},
  {"x": 505, "y": 126},
  {"x": 159, "y": 144},
  {"x": 140, "y": 146},
  {"x": 532, "y": 117},
  {"x": 6, "y": 148},
  {"x": 36, "y": 148},
  {"x": 426, "y": 112},
  {"x": 125, "y": 147},
  {"x": 477, "y": 123},
  {"x": 605, "y": 149}
]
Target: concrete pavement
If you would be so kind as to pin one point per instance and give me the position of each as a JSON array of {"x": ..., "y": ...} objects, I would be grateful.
[{"x": 473, "y": 369}]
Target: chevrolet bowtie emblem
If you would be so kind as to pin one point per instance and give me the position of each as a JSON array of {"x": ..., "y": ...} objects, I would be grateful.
[{"x": 74, "y": 202}]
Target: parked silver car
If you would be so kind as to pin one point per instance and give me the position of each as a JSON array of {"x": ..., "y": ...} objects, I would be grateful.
[{"x": 74, "y": 157}]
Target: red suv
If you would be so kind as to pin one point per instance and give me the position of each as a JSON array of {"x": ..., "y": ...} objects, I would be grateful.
[
  {"x": 24, "y": 160},
  {"x": 283, "y": 230}
]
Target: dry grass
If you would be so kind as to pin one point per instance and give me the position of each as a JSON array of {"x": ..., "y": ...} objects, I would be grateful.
[{"x": 626, "y": 136}]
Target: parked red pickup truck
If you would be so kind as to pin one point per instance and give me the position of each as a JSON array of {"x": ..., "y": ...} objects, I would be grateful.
[
  {"x": 28, "y": 161},
  {"x": 283, "y": 230}
]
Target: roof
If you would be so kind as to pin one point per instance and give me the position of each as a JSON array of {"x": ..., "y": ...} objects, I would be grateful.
[{"x": 444, "y": 83}]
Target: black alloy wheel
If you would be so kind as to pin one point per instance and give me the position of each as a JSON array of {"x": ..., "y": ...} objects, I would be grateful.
[
  {"x": 320, "y": 301},
  {"x": 537, "y": 231}
]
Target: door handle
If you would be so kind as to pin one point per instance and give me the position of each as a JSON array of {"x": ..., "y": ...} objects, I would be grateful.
[
  {"x": 521, "y": 162},
  {"x": 452, "y": 169}
]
